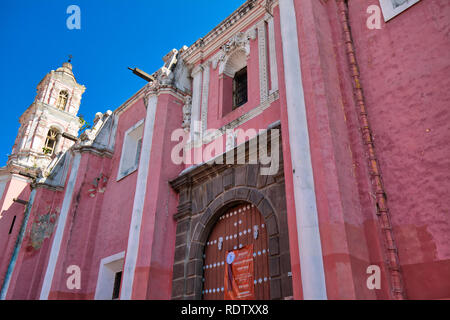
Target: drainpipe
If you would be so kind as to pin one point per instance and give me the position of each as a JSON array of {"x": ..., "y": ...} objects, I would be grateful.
[
  {"x": 17, "y": 246},
  {"x": 390, "y": 247}
]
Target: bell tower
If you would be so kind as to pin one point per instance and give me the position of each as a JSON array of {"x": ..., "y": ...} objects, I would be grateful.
[{"x": 52, "y": 113}]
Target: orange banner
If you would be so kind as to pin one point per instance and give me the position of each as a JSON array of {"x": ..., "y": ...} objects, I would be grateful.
[{"x": 239, "y": 274}]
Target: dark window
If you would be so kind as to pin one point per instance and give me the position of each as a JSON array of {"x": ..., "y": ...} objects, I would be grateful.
[
  {"x": 240, "y": 88},
  {"x": 12, "y": 225},
  {"x": 117, "y": 281},
  {"x": 138, "y": 152}
]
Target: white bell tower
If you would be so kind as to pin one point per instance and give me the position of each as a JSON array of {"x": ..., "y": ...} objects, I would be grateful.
[{"x": 53, "y": 112}]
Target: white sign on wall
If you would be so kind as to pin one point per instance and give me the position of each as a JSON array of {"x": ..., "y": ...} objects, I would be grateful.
[{"x": 391, "y": 8}]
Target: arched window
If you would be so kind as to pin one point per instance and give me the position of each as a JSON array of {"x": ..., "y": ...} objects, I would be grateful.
[
  {"x": 50, "y": 142},
  {"x": 62, "y": 99},
  {"x": 234, "y": 81}
]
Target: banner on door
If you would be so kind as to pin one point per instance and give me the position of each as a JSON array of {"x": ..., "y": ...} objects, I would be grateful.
[{"x": 239, "y": 274}]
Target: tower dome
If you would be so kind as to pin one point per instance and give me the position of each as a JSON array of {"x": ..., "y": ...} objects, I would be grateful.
[{"x": 66, "y": 69}]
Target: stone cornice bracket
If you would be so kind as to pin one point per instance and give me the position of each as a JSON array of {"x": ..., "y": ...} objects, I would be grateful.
[
  {"x": 181, "y": 182},
  {"x": 151, "y": 89},
  {"x": 183, "y": 185}
]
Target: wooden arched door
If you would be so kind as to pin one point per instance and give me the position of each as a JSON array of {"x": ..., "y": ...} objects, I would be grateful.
[{"x": 238, "y": 230}]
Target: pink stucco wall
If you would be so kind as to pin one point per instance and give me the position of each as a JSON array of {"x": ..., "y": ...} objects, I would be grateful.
[
  {"x": 405, "y": 70},
  {"x": 153, "y": 273},
  {"x": 30, "y": 267},
  {"x": 100, "y": 224},
  {"x": 14, "y": 189},
  {"x": 401, "y": 96}
]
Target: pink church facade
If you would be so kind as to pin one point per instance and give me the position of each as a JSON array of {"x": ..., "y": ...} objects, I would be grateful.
[{"x": 333, "y": 134}]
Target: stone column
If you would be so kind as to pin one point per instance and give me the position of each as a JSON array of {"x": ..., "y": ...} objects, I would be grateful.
[
  {"x": 205, "y": 95},
  {"x": 310, "y": 248},
  {"x": 272, "y": 56},
  {"x": 139, "y": 201},
  {"x": 262, "y": 53},
  {"x": 196, "y": 103}
]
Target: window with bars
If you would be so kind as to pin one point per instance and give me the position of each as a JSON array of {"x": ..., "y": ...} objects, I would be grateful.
[{"x": 240, "y": 88}]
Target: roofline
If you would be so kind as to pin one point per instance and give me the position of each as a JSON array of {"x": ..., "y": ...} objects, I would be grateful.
[{"x": 232, "y": 19}]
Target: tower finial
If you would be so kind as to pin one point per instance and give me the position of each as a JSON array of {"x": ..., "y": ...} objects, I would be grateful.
[{"x": 70, "y": 58}]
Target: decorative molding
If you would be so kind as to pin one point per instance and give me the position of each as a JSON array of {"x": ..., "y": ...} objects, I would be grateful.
[
  {"x": 238, "y": 42},
  {"x": 224, "y": 26},
  {"x": 262, "y": 53},
  {"x": 205, "y": 96},
  {"x": 206, "y": 46},
  {"x": 269, "y": 6},
  {"x": 196, "y": 101},
  {"x": 196, "y": 70},
  {"x": 272, "y": 56},
  {"x": 187, "y": 109},
  {"x": 211, "y": 135}
]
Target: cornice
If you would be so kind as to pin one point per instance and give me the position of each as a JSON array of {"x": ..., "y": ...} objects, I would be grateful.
[
  {"x": 214, "y": 134},
  {"x": 240, "y": 19},
  {"x": 94, "y": 150},
  {"x": 41, "y": 106},
  {"x": 150, "y": 89},
  {"x": 200, "y": 172}
]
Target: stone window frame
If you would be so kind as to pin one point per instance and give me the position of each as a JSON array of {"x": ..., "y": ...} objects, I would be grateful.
[
  {"x": 234, "y": 62},
  {"x": 52, "y": 135},
  {"x": 109, "y": 266},
  {"x": 127, "y": 165}
]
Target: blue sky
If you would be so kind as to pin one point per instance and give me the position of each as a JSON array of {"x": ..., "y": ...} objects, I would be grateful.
[{"x": 114, "y": 35}]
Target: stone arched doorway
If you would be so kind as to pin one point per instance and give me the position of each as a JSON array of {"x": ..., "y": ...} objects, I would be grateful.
[
  {"x": 206, "y": 192},
  {"x": 239, "y": 232}
]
